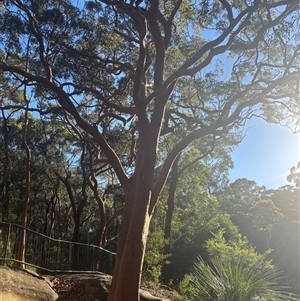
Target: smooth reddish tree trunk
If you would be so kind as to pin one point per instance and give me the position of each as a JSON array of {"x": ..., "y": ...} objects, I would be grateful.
[
  {"x": 130, "y": 251},
  {"x": 136, "y": 218}
]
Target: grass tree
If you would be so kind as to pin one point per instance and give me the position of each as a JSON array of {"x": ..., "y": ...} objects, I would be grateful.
[
  {"x": 232, "y": 280},
  {"x": 235, "y": 272}
]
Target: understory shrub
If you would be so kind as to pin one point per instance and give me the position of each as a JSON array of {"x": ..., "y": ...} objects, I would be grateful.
[{"x": 233, "y": 275}]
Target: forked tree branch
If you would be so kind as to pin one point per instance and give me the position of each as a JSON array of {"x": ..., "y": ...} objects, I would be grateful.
[{"x": 218, "y": 127}]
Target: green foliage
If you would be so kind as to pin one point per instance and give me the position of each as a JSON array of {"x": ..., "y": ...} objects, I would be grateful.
[
  {"x": 155, "y": 257},
  {"x": 233, "y": 280},
  {"x": 235, "y": 272},
  {"x": 186, "y": 287},
  {"x": 237, "y": 248},
  {"x": 263, "y": 217},
  {"x": 240, "y": 195},
  {"x": 294, "y": 175},
  {"x": 268, "y": 219},
  {"x": 264, "y": 214}
]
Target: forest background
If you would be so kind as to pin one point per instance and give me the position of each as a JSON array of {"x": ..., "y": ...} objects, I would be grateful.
[
  {"x": 63, "y": 205},
  {"x": 118, "y": 121}
]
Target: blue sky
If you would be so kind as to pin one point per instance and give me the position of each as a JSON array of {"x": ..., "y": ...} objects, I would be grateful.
[{"x": 266, "y": 154}]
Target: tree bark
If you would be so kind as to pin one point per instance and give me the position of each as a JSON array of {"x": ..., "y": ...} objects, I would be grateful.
[
  {"x": 131, "y": 248},
  {"x": 134, "y": 228}
]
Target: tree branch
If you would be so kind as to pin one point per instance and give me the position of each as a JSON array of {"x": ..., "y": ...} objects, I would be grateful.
[{"x": 68, "y": 106}]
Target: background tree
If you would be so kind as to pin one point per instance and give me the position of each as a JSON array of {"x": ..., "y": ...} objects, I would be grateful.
[
  {"x": 271, "y": 223},
  {"x": 191, "y": 212},
  {"x": 263, "y": 216},
  {"x": 22, "y": 238},
  {"x": 239, "y": 196},
  {"x": 294, "y": 175}
]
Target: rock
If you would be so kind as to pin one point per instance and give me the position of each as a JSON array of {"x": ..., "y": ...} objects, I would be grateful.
[
  {"x": 93, "y": 287},
  {"x": 88, "y": 287},
  {"x": 19, "y": 285},
  {"x": 22, "y": 285},
  {"x": 146, "y": 296}
]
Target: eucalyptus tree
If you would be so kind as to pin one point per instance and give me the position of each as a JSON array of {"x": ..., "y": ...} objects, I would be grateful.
[
  {"x": 268, "y": 218},
  {"x": 190, "y": 210},
  {"x": 6, "y": 166},
  {"x": 240, "y": 195},
  {"x": 285, "y": 241},
  {"x": 263, "y": 216},
  {"x": 115, "y": 63},
  {"x": 7, "y": 136},
  {"x": 294, "y": 175},
  {"x": 16, "y": 160}
]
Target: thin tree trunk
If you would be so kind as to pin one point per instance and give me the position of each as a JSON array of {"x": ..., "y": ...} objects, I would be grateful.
[
  {"x": 170, "y": 210},
  {"x": 5, "y": 186},
  {"x": 22, "y": 242},
  {"x": 171, "y": 203},
  {"x": 100, "y": 237},
  {"x": 77, "y": 212}
]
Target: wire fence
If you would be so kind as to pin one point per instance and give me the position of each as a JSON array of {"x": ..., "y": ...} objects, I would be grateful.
[{"x": 49, "y": 255}]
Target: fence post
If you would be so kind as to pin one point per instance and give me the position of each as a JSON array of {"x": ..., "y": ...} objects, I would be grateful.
[
  {"x": 93, "y": 262},
  {"x": 43, "y": 253},
  {"x": 7, "y": 243},
  {"x": 87, "y": 265},
  {"x": 56, "y": 259}
]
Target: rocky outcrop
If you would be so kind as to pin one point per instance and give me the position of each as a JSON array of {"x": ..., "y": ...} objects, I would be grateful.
[
  {"x": 20, "y": 285},
  {"x": 88, "y": 287}
]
